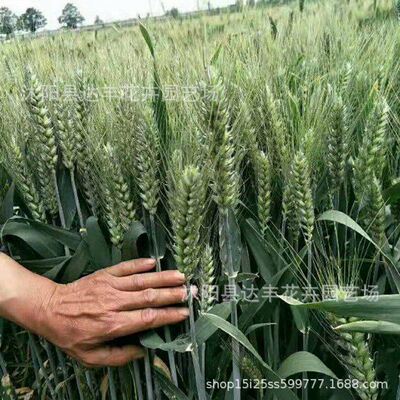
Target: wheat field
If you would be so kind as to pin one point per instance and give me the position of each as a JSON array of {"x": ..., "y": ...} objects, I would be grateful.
[{"x": 255, "y": 151}]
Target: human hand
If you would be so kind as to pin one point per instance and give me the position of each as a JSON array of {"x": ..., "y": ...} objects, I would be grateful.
[{"x": 83, "y": 317}]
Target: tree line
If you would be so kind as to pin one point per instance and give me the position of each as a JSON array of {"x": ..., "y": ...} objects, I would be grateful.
[{"x": 33, "y": 19}]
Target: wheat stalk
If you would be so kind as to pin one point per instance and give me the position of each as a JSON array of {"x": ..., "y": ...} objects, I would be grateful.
[
  {"x": 147, "y": 157},
  {"x": 225, "y": 185}
]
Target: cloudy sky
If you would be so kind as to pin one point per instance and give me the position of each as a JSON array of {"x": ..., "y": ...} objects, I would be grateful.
[{"x": 108, "y": 10}]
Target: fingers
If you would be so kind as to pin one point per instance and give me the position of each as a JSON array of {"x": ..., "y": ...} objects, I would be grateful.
[
  {"x": 154, "y": 298},
  {"x": 151, "y": 280},
  {"x": 108, "y": 356},
  {"x": 132, "y": 267},
  {"x": 131, "y": 322}
]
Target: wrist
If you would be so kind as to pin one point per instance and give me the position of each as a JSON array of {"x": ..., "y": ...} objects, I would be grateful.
[{"x": 24, "y": 296}]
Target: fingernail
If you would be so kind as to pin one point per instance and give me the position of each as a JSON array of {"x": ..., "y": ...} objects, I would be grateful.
[
  {"x": 181, "y": 276},
  {"x": 149, "y": 262},
  {"x": 184, "y": 312}
]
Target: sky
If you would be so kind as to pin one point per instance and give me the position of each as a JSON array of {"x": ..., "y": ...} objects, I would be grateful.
[{"x": 107, "y": 10}]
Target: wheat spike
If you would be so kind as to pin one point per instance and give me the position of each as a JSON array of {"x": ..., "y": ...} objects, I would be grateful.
[
  {"x": 187, "y": 203},
  {"x": 25, "y": 182},
  {"x": 44, "y": 147},
  {"x": 120, "y": 211},
  {"x": 67, "y": 137},
  {"x": 346, "y": 79},
  {"x": 214, "y": 111},
  {"x": 371, "y": 157},
  {"x": 147, "y": 159},
  {"x": 264, "y": 178},
  {"x": 377, "y": 128},
  {"x": 206, "y": 280},
  {"x": 337, "y": 144},
  {"x": 226, "y": 178},
  {"x": 373, "y": 215},
  {"x": 298, "y": 206},
  {"x": 84, "y": 155},
  {"x": 356, "y": 358}
]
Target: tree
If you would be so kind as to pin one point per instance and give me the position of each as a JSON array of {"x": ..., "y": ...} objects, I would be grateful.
[
  {"x": 8, "y": 21},
  {"x": 251, "y": 3},
  {"x": 31, "y": 20},
  {"x": 173, "y": 12},
  {"x": 71, "y": 17},
  {"x": 239, "y": 5},
  {"x": 98, "y": 21}
]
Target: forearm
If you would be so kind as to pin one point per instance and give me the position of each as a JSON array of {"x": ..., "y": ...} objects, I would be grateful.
[{"x": 23, "y": 294}]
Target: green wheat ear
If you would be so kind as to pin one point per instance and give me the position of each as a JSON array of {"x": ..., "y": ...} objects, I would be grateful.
[
  {"x": 84, "y": 155},
  {"x": 25, "y": 183},
  {"x": 207, "y": 280},
  {"x": 250, "y": 369},
  {"x": 214, "y": 110},
  {"x": 225, "y": 183},
  {"x": 225, "y": 179},
  {"x": 346, "y": 79},
  {"x": 373, "y": 215},
  {"x": 337, "y": 147},
  {"x": 371, "y": 158},
  {"x": 264, "y": 185},
  {"x": 67, "y": 137},
  {"x": 395, "y": 206},
  {"x": 44, "y": 141},
  {"x": 356, "y": 357},
  {"x": 147, "y": 156},
  {"x": 187, "y": 207},
  {"x": 120, "y": 211},
  {"x": 298, "y": 205}
]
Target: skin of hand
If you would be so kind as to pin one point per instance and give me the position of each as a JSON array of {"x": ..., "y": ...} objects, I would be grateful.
[{"x": 83, "y": 317}]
